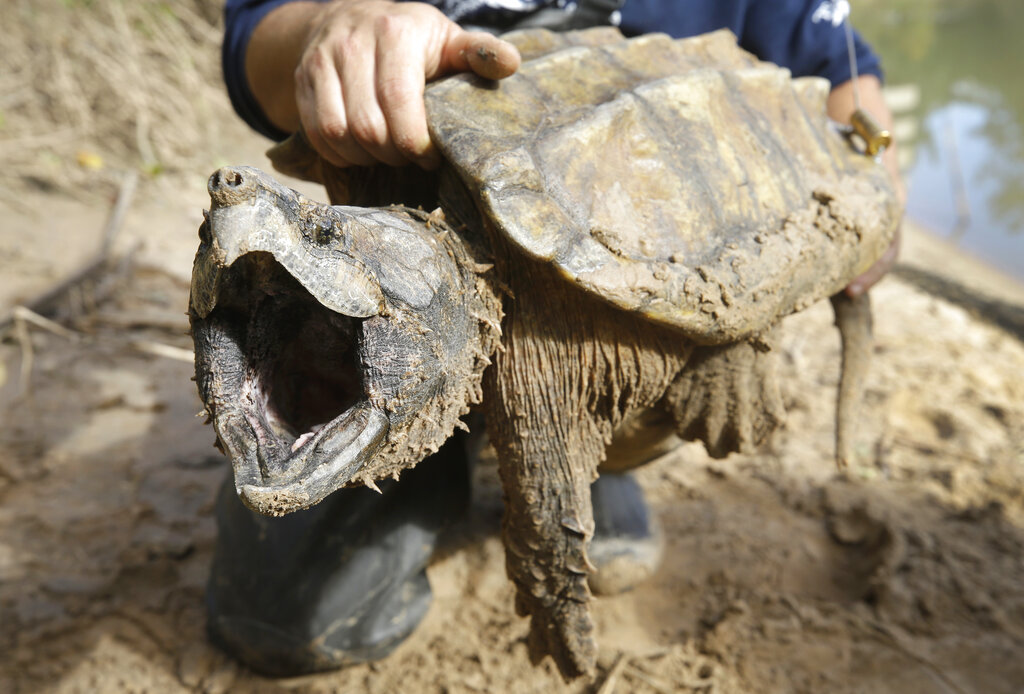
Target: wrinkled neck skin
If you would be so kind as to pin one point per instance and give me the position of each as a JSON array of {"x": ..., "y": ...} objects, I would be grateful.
[{"x": 334, "y": 346}]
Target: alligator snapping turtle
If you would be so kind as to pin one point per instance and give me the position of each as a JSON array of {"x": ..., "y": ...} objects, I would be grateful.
[{"x": 622, "y": 224}]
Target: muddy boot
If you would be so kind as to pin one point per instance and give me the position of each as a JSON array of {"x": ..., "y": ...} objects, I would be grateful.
[
  {"x": 627, "y": 543},
  {"x": 341, "y": 583}
]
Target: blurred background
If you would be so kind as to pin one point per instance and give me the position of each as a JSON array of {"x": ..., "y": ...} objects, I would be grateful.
[{"x": 954, "y": 80}]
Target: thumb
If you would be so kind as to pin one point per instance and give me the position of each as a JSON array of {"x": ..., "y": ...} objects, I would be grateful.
[{"x": 479, "y": 52}]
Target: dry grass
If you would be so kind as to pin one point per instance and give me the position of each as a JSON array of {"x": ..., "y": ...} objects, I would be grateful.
[{"x": 92, "y": 87}]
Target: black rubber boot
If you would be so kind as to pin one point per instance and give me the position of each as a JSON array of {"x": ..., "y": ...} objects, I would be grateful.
[
  {"x": 342, "y": 583},
  {"x": 627, "y": 543}
]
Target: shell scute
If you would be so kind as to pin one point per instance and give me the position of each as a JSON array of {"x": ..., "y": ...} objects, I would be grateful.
[{"x": 628, "y": 164}]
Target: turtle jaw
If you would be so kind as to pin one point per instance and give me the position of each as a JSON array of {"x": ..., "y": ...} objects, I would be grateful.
[
  {"x": 278, "y": 331},
  {"x": 282, "y": 377},
  {"x": 316, "y": 469}
]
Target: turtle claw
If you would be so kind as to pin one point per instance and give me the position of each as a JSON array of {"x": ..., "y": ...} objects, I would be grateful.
[{"x": 566, "y": 633}]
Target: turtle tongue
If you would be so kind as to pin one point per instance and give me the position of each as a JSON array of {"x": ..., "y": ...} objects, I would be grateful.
[{"x": 274, "y": 482}]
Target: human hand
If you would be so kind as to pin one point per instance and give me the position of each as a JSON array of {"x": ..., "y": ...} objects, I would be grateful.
[
  {"x": 841, "y": 103},
  {"x": 359, "y": 82},
  {"x": 868, "y": 279}
]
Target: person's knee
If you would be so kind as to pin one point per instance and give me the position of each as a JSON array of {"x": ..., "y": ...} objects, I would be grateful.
[{"x": 341, "y": 583}]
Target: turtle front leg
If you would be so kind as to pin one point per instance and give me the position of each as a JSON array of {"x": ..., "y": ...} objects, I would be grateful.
[
  {"x": 571, "y": 369},
  {"x": 546, "y": 472}
]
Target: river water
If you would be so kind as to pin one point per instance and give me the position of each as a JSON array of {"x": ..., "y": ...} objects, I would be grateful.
[{"x": 955, "y": 80}]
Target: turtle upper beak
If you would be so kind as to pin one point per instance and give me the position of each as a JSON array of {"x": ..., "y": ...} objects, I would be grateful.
[{"x": 251, "y": 212}]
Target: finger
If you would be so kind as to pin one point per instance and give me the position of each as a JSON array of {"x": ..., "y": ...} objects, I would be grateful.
[
  {"x": 305, "y": 101},
  {"x": 483, "y": 53},
  {"x": 367, "y": 124},
  {"x": 876, "y": 272},
  {"x": 400, "y": 81},
  {"x": 322, "y": 112}
]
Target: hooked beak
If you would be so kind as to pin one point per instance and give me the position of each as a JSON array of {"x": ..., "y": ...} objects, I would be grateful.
[
  {"x": 277, "y": 320},
  {"x": 318, "y": 467},
  {"x": 251, "y": 212}
]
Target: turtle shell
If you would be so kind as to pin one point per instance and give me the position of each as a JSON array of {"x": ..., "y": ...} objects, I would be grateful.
[{"x": 682, "y": 179}]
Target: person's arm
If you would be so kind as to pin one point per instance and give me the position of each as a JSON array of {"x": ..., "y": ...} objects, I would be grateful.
[
  {"x": 841, "y": 105},
  {"x": 351, "y": 73}
]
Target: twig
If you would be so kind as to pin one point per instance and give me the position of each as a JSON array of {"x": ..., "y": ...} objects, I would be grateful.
[
  {"x": 27, "y": 315},
  {"x": 884, "y": 635},
  {"x": 44, "y": 302},
  {"x": 608, "y": 686},
  {"x": 928, "y": 448},
  {"x": 650, "y": 681},
  {"x": 27, "y": 357},
  {"x": 174, "y": 321},
  {"x": 117, "y": 213},
  {"x": 161, "y": 350},
  {"x": 22, "y": 318}
]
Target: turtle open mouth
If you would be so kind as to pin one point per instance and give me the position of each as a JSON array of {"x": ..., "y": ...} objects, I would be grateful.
[
  {"x": 321, "y": 333},
  {"x": 283, "y": 376}
]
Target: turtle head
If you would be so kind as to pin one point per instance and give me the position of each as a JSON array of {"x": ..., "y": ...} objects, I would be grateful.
[{"x": 334, "y": 345}]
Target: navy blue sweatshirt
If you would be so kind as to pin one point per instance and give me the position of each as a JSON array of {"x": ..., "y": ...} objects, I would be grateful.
[{"x": 805, "y": 36}]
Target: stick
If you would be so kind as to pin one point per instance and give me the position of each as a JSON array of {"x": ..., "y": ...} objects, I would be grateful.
[
  {"x": 25, "y": 341},
  {"x": 887, "y": 637},
  {"x": 167, "y": 351},
  {"x": 22, "y": 318},
  {"x": 45, "y": 302},
  {"x": 608, "y": 686},
  {"x": 117, "y": 213},
  {"x": 652, "y": 682},
  {"x": 27, "y": 315}
]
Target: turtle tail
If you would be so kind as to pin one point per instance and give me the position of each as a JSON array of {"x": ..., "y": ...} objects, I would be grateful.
[{"x": 853, "y": 318}]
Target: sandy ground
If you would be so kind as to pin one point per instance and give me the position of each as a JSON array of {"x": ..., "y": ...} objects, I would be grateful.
[{"x": 780, "y": 575}]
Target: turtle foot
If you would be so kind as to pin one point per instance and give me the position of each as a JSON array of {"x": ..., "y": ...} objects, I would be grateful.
[{"x": 566, "y": 633}]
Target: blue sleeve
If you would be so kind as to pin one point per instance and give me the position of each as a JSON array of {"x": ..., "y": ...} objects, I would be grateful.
[
  {"x": 806, "y": 36},
  {"x": 801, "y": 35},
  {"x": 681, "y": 18},
  {"x": 240, "y": 18}
]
